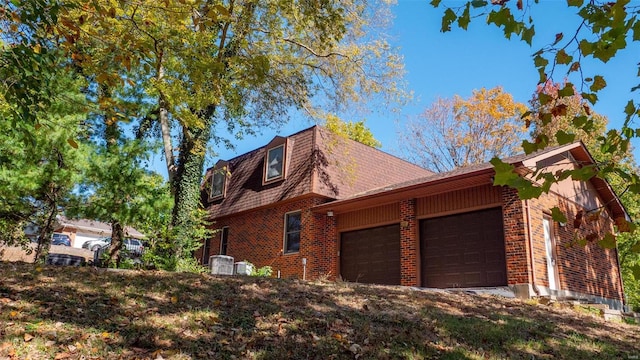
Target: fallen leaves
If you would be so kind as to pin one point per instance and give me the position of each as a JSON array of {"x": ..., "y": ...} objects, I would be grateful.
[{"x": 144, "y": 315}]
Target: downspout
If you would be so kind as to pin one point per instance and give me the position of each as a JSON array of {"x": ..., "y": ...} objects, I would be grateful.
[{"x": 530, "y": 240}]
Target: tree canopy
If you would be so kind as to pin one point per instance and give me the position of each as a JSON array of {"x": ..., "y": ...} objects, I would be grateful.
[
  {"x": 198, "y": 74},
  {"x": 457, "y": 132},
  {"x": 605, "y": 28}
]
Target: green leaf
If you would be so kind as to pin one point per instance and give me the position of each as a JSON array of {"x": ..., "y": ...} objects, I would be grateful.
[
  {"x": 564, "y": 137},
  {"x": 598, "y": 83},
  {"x": 435, "y": 3},
  {"x": 504, "y": 172},
  {"x": 608, "y": 242},
  {"x": 527, "y": 34},
  {"x": 222, "y": 10},
  {"x": 540, "y": 62},
  {"x": 591, "y": 97},
  {"x": 558, "y": 215},
  {"x": 582, "y": 242},
  {"x": 527, "y": 190},
  {"x": 580, "y": 121},
  {"x": 567, "y": 90},
  {"x": 635, "y": 270},
  {"x": 630, "y": 108},
  {"x": 636, "y": 247},
  {"x": 544, "y": 98},
  {"x": 583, "y": 174},
  {"x": 586, "y": 47},
  {"x": 636, "y": 30},
  {"x": 529, "y": 147},
  {"x": 447, "y": 19},
  {"x": 576, "y": 3},
  {"x": 563, "y": 58},
  {"x": 478, "y": 3},
  {"x": 465, "y": 19}
]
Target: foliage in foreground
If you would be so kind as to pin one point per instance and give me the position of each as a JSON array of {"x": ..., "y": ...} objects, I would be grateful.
[{"x": 137, "y": 314}]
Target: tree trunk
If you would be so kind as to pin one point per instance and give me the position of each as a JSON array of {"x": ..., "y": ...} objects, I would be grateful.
[
  {"x": 117, "y": 239},
  {"x": 193, "y": 148},
  {"x": 44, "y": 236},
  {"x": 165, "y": 127}
]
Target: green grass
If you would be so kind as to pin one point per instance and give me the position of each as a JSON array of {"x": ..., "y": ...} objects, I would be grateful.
[{"x": 73, "y": 313}]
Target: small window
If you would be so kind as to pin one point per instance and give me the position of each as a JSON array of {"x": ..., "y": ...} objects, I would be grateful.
[
  {"x": 224, "y": 239},
  {"x": 274, "y": 168},
  {"x": 292, "y": 226},
  {"x": 218, "y": 184}
]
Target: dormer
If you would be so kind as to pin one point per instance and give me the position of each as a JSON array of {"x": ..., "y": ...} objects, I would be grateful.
[
  {"x": 218, "y": 181},
  {"x": 275, "y": 161}
]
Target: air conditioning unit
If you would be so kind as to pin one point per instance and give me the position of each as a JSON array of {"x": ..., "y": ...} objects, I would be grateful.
[
  {"x": 243, "y": 268},
  {"x": 221, "y": 265}
]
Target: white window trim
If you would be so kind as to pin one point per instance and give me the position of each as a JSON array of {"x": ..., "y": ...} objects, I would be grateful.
[
  {"x": 284, "y": 240},
  {"x": 223, "y": 194},
  {"x": 266, "y": 165}
]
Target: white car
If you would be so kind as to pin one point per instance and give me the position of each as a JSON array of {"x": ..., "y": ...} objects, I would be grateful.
[{"x": 134, "y": 246}]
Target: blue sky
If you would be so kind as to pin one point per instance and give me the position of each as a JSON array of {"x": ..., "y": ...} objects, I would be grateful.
[{"x": 446, "y": 64}]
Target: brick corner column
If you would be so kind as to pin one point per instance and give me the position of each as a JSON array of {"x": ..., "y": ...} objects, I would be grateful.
[
  {"x": 409, "y": 261},
  {"x": 515, "y": 241}
]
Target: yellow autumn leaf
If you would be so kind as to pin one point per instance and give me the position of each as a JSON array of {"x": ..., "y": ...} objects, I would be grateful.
[
  {"x": 37, "y": 48},
  {"x": 174, "y": 299},
  {"x": 73, "y": 143}
]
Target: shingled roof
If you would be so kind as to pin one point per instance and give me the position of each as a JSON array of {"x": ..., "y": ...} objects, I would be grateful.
[
  {"x": 319, "y": 163},
  {"x": 474, "y": 175}
]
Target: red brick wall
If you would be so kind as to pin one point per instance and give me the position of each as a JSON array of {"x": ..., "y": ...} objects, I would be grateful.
[
  {"x": 258, "y": 237},
  {"x": 516, "y": 249},
  {"x": 409, "y": 255},
  {"x": 588, "y": 269}
]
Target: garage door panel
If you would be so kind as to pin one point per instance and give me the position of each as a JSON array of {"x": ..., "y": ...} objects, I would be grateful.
[
  {"x": 371, "y": 255},
  {"x": 463, "y": 250}
]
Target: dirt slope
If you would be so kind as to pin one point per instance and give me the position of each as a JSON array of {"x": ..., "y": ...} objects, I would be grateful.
[{"x": 74, "y": 313}]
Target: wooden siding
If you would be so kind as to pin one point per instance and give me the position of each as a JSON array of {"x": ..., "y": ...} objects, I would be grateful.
[
  {"x": 465, "y": 199},
  {"x": 370, "y": 217}
]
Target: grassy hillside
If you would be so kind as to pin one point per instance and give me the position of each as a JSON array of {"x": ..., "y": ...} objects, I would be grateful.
[{"x": 73, "y": 313}]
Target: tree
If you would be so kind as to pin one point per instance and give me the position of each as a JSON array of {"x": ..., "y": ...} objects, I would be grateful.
[
  {"x": 563, "y": 129},
  {"x": 458, "y": 132},
  {"x": 604, "y": 30},
  {"x": 239, "y": 65},
  {"x": 39, "y": 165},
  {"x": 560, "y": 128},
  {"x": 352, "y": 130}
]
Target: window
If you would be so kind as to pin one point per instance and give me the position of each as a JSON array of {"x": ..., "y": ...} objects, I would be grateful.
[
  {"x": 218, "y": 184},
  {"x": 274, "y": 168},
  {"x": 292, "y": 226},
  {"x": 224, "y": 239},
  {"x": 205, "y": 251}
]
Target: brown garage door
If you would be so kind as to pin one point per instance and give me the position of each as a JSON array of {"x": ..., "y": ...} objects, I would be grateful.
[
  {"x": 463, "y": 250},
  {"x": 371, "y": 256}
]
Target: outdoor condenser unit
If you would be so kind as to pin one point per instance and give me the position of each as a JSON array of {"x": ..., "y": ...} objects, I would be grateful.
[
  {"x": 221, "y": 265},
  {"x": 243, "y": 268}
]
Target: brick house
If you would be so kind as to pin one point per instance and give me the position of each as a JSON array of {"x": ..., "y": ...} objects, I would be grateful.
[{"x": 360, "y": 214}]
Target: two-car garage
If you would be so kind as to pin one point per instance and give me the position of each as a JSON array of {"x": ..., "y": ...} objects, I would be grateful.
[{"x": 460, "y": 250}]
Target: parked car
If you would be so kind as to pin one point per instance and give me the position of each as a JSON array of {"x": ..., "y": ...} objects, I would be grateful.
[
  {"x": 134, "y": 246},
  {"x": 60, "y": 239}
]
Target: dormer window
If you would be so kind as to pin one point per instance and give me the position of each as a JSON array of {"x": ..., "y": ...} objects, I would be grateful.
[
  {"x": 218, "y": 181},
  {"x": 275, "y": 163},
  {"x": 275, "y": 160}
]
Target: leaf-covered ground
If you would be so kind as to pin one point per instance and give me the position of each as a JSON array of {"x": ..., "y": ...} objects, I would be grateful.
[{"x": 86, "y": 313}]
